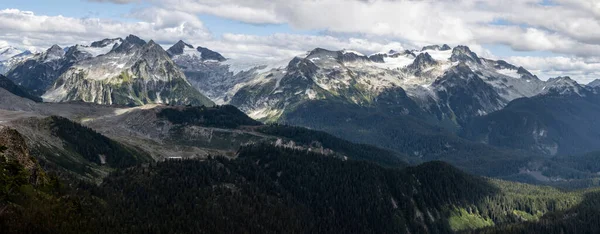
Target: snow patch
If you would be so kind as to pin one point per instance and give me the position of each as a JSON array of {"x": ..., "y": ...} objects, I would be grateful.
[
  {"x": 9, "y": 52},
  {"x": 510, "y": 73},
  {"x": 237, "y": 66},
  {"x": 52, "y": 57},
  {"x": 352, "y": 52},
  {"x": 191, "y": 52},
  {"x": 96, "y": 51},
  {"x": 394, "y": 63},
  {"x": 311, "y": 94},
  {"x": 438, "y": 55},
  {"x": 262, "y": 113}
]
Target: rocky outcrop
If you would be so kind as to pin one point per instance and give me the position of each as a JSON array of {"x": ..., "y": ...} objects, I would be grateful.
[{"x": 13, "y": 147}]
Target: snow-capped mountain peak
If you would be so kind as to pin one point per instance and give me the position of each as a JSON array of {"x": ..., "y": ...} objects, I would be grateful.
[
  {"x": 97, "y": 48},
  {"x": 594, "y": 84},
  {"x": 345, "y": 51},
  {"x": 131, "y": 43},
  {"x": 422, "y": 61},
  {"x": 107, "y": 42},
  {"x": 133, "y": 39},
  {"x": 53, "y": 53},
  {"x": 444, "y": 47},
  {"x": 10, "y": 56},
  {"x": 180, "y": 48},
  {"x": 320, "y": 52},
  {"x": 464, "y": 54},
  {"x": 8, "y": 52},
  {"x": 563, "y": 85},
  {"x": 182, "y": 51},
  {"x": 209, "y": 55}
]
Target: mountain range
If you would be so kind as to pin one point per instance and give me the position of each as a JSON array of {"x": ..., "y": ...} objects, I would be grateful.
[
  {"x": 129, "y": 137},
  {"x": 384, "y": 99},
  {"x": 126, "y": 71}
]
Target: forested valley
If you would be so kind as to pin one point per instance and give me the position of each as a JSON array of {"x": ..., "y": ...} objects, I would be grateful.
[{"x": 273, "y": 189}]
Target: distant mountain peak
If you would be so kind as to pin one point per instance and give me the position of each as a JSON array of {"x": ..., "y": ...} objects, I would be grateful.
[
  {"x": 430, "y": 47},
  {"x": 133, "y": 39},
  {"x": 525, "y": 72},
  {"x": 444, "y": 47},
  {"x": 181, "y": 48},
  {"x": 422, "y": 61},
  {"x": 105, "y": 42},
  {"x": 501, "y": 64},
  {"x": 9, "y": 52},
  {"x": 462, "y": 53},
  {"x": 351, "y": 56},
  {"x": 343, "y": 55},
  {"x": 130, "y": 43},
  {"x": 563, "y": 85},
  {"x": 594, "y": 84},
  {"x": 208, "y": 54},
  {"x": 178, "y": 48},
  {"x": 54, "y": 48},
  {"x": 8, "y": 49},
  {"x": 53, "y": 53},
  {"x": 151, "y": 43},
  {"x": 319, "y": 51},
  {"x": 562, "y": 79}
]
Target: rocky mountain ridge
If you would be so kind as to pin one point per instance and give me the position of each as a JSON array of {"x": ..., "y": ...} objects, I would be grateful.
[
  {"x": 126, "y": 71},
  {"x": 439, "y": 79}
]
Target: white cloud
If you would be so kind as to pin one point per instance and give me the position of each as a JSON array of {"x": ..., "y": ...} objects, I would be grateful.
[
  {"x": 580, "y": 69},
  {"x": 28, "y": 30},
  {"x": 567, "y": 27},
  {"x": 4, "y": 44},
  {"x": 162, "y": 18},
  {"x": 249, "y": 11},
  {"x": 285, "y": 46},
  {"x": 38, "y": 32}
]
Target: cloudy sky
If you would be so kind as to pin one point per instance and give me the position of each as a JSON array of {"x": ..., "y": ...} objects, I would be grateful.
[{"x": 548, "y": 37}]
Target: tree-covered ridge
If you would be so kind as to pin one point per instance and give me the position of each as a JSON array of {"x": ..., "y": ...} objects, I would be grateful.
[
  {"x": 74, "y": 151},
  {"x": 42, "y": 206},
  {"x": 11, "y": 87},
  {"x": 413, "y": 137},
  {"x": 229, "y": 117},
  {"x": 587, "y": 162},
  {"x": 355, "y": 151},
  {"x": 326, "y": 195},
  {"x": 94, "y": 146},
  {"x": 273, "y": 190},
  {"x": 550, "y": 124},
  {"x": 582, "y": 218},
  {"x": 270, "y": 189},
  {"x": 217, "y": 116}
]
